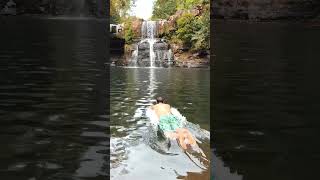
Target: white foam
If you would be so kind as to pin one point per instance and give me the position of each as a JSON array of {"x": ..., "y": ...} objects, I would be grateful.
[{"x": 154, "y": 120}]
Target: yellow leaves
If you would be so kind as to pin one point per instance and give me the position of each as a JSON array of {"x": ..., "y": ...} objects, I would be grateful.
[{"x": 119, "y": 7}]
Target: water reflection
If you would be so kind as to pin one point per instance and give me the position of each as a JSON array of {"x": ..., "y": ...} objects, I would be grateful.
[
  {"x": 136, "y": 151},
  {"x": 53, "y": 99},
  {"x": 265, "y": 95}
]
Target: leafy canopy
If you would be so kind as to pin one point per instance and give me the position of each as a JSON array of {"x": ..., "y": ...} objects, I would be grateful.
[
  {"x": 119, "y": 9},
  {"x": 162, "y": 9},
  {"x": 191, "y": 31}
]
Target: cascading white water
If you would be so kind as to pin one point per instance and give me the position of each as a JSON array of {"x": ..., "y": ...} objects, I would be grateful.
[
  {"x": 148, "y": 30},
  {"x": 169, "y": 56},
  {"x": 152, "y": 54},
  {"x": 134, "y": 58},
  {"x": 159, "y": 51}
]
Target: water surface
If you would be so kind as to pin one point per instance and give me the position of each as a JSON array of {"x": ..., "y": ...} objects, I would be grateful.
[
  {"x": 135, "y": 152},
  {"x": 53, "y": 99},
  {"x": 266, "y": 99}
]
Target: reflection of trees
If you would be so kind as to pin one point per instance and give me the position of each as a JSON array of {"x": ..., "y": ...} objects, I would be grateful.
[
  {"x": 60, "y": 100},
  {"x": 178, "y": 86},
  {"x": 129, "y": 88},
  {"x": 189, "y": 86},
  {"x": 262, "y": 88}
]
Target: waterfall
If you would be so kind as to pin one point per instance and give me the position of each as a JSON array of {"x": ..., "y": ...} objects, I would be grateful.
[
  {"x": 134, "y": 58},
  {"x": 151, "y": 51},
  {"x": 169, "y": 56},
  {"x": 152, "y": 54},
  {"x": 148, "y": 31}
]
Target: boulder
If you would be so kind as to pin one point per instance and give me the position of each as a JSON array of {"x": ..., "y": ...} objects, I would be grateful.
[
  {"x": 143, "y": 46},
  {"x": 161, "y": 46}
]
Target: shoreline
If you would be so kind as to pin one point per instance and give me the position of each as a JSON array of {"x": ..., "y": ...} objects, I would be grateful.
[
  {"x": 119, "y": 61},
  {"x": 173, "y": 66}
]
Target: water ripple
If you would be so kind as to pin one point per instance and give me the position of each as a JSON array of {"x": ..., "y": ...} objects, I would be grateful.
[{"x": 132, "y": 91}]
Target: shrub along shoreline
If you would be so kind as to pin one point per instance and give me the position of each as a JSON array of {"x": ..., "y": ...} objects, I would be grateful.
[{"x": 187, "y": 28}]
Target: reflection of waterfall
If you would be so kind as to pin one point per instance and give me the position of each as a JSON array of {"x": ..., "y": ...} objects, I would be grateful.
[
  {"x": 119, "y": 146},
  {"x": 134, "y": 137},
  {"x": 149, "y": 95},
  {"x": 151, "y": 51},
  {"x": 152, "y": 85}
]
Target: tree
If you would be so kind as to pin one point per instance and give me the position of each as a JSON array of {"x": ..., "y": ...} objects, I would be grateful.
[
  {"x": 162, "y": 9},
  {"x": 186, "y": 28},
  {"x": 188, "y": 4},
  {"x": 201, "y": 38},
  {"x": 193, "y": 31},
  {"x": 119, "y": 8}
]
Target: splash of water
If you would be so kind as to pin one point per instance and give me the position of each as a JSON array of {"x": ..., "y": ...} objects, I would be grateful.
[{"x": 199, "y": 133}]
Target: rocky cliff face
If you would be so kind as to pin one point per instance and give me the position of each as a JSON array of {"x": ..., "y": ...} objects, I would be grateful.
[
  {"x": 136, "y": 27},
  {"x": 96, "y": 8},
  {"x": 265, "y": 9}
]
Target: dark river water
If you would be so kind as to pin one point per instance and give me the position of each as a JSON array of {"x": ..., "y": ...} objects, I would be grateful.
[
  {"x": 53, "y": 99},
  {"x": 135, "y": 153},
  {"x": 266, "y": 101}
]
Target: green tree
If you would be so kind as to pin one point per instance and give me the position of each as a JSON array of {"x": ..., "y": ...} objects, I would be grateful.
[
  {"x": 129, "y": 35},
  {"x": 186, "y": 28},
  {"x": 188, "y": 4},
  {"x": 201, "y": 37},
  {"x": 162, "y": 9},
  {"x": 119, "y": 8},
  {"x": 192, "y": 31}
]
